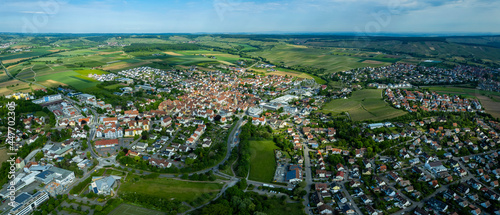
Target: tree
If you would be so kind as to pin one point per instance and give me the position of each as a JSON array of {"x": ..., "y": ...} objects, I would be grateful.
[
  {"x": 98, "y": 208},
  {"x": 39, "y": 156}
]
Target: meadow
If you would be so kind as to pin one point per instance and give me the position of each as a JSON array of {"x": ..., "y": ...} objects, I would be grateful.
[
  {"x": 128, "y": 209},
  {"x": 169, "y": 188},
  {"x": 262, "y": 161},
  {"x": 3, "y": 155},
  {"x": 364, "y": 104}
]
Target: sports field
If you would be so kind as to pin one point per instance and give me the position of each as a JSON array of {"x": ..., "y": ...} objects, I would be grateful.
[
  {"x": 262, "y": 162},
  {"x": 364, "y": 104},
  {"x": 127, "y": 209}
]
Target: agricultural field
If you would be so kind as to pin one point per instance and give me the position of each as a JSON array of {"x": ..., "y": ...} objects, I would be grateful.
[
  {"x": 72, "y": 78},
  {"x": 263, "y": 163},
  {"x": 128, "y": 209},
  {"x": 316, "y": 58},
  {"x": 364, "y": 104},
  {"x": 14, "y": 57},
  {"x": 170, "y": 188}
]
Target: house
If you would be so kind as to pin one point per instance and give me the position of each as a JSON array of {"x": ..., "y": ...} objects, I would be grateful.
[
  {"x": 420, "y": 211},
  {"x": 340, "y": 197},
  {"x": 394, "y": 177},
  {"x": 437, "y": 205},
  {"x": 472, "y": 196},
  {"x": 435, "y": 167},
  {"x": 321, "y": 173},
  {"x": 474, "y": 184},
  {"x": 365, "y": 199},
  {"x": 317, "y": 198},
  {"x": 474, "y": 210},
  {"x": 259, "y": 120},
  {"x": 160, "y": 163},
  {"x": 339, "y": 176},
  {"x": 463, "y": 189},
  {"x": 486, "y": 204},
  {"x": 325, "y": 209},
  {"x": 371, "y": 210},
  {"x": 434, "y": 184},
  {"x": 346, "y": 209}
]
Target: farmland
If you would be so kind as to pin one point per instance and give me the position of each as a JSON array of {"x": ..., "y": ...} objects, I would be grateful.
[
  {"x": 262, "y": 160},
  {"x": 364, "y": 105},
  {"x": 316, "y": 58},
  {"x": 72, "y": 78}
]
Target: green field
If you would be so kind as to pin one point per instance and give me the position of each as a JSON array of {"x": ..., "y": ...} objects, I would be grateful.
[
  {"x": 169, "y": 188},
  {"x": 90, "y": 71},
  {"x": 461, "y": 91},
  {"x": 72, "y": 78},
  {"x": 262, "y": 162},
  {"x": 364, "y": 104},
  {"x": 127, "y": 209}
]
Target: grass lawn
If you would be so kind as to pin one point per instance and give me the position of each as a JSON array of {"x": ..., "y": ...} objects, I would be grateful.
[
  {"x": 127, "y": 209},
  {"x": 364, "y": 104},
  {"x": 262, "y": 162},
  {"x": 170, "y": 188}
]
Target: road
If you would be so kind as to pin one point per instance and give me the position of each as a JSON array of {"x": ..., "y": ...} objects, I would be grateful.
[
  {"x": 309, "y": 181},
  {"x": 11, "y": 76}
]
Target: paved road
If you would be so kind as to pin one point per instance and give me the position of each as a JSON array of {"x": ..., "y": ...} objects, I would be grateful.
[{"x": 309, "y": 181}]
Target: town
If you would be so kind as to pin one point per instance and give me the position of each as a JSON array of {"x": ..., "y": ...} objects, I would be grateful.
[{"x": 442, "y": 159}]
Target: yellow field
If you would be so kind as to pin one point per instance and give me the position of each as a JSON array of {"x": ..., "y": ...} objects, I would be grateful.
[
  {"x": 122, "y": 65},
  {"x": 302, "y": 75},
  {"x": 6, "y": 89},
  {"x": 51, "y": 83},
  {"x": 173, "y": 53},
  {"x": 372, "y": 62},
  {"x": 14, "y": 60},
  {"x": 297, "y": 46}
]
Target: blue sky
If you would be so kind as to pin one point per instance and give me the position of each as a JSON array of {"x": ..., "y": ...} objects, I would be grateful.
[{"x": 226, "y": 16}]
